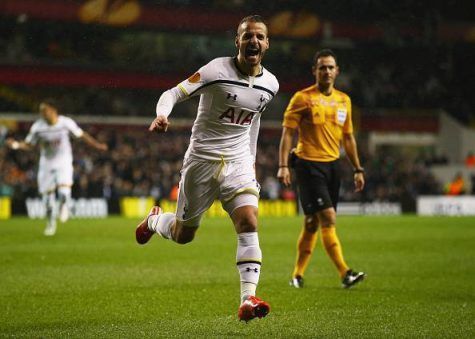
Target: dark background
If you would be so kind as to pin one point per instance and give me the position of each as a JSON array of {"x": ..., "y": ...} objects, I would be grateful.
[{"x": 402, "y": 62}]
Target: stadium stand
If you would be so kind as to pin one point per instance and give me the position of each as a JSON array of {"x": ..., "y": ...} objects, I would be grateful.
[{"x": 399, "y": 73}]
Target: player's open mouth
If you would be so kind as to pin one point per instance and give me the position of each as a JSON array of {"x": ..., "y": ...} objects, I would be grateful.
[{"x": 250, "y": 51}]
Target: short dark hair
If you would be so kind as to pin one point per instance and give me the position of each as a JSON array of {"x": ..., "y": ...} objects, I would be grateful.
[
  {"x": 251, "y": 18},
  {"x": 324, "y": 53},
  {"x": 50, "y": 102}
]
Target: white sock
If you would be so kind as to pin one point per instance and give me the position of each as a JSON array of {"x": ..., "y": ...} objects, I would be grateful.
[
  {"x": 248, "y": 260},
  {"x": 49, "y": 200},
  {"x": 162, "y": 224},
  {"x": 64, "y": 194}
]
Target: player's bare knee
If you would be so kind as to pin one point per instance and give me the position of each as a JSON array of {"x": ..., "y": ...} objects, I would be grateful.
[
  {"x": 327, "y": 217},
  {"x": 246, "y": 224},
  {"x": 311, "y": 223},
  {"x": 245, "y": 219},
  {"x": 327, "y": 221}
]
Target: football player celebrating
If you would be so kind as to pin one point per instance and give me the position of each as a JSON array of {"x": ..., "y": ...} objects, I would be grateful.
[{"x": 219, "y": 162}]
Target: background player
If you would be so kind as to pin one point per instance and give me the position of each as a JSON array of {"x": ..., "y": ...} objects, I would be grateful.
[
  {"x": 219, "y": 163},
  {"x": 322, "y": 116},
  {"x": 55, "y": 171}
]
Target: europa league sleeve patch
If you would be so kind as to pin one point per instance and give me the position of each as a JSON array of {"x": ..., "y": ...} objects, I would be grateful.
[{"x": 194, "y": 78}]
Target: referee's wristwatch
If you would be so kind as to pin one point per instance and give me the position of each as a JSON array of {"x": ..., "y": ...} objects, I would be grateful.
[{"x": 358, "y": 170}]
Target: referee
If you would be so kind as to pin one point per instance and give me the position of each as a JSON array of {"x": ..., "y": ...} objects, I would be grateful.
[{"x": 321, "y": 115}]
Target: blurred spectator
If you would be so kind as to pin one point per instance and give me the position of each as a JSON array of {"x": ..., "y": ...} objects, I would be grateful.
[
  {"x": 288, "y": 194},
  {"x": 138, "y": 165},
  {"x": 270, "y": 188},
  {"x": 470, "y": 160},
  {"x": 434, "y": 158},
  {"x": 456, "y": 186},
  {"x": 174, "y": 193}
]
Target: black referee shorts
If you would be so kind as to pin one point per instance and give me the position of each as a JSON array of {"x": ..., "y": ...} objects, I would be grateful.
[{"x": 318, "y": 184}]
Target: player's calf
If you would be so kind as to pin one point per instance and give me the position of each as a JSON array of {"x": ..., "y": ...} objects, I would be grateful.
[{"x": 183, "y": 234}]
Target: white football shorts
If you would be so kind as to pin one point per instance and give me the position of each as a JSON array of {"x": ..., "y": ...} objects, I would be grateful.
[
  {"x": 50, "y": 178},
  {"x": 202, "y": 182}
]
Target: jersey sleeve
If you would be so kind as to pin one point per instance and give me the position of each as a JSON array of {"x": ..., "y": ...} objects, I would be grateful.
[
  {"x": 348, "y": 126},
  {"x": 168, "y": 100},
  {"x": 73, "y": 127},
  {"x": 293, "y": 112},
  {"x": 200, "y": 79},
  {"x": 185, "y": 89}
]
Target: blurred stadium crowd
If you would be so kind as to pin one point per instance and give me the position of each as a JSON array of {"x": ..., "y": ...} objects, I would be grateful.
[
  {"x": 143, "y": 164},
  {"x": 115, "y": 57}
]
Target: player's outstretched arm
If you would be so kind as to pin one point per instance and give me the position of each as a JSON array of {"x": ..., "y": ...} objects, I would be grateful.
[
  {"x": 18, "y": 145},
  {"x": 91, "y": 141},
  {"x": 159, "y": 124}
]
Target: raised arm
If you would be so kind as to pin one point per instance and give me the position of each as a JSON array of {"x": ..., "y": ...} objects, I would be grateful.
[
  {"x": 165, "y": 105},
  {"x": 183, "y": 91}
]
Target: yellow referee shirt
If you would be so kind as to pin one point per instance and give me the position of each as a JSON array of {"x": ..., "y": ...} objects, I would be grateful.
[{"x": 321, "y": 121}]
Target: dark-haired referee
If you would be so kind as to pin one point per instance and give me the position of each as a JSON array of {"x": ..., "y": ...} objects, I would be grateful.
[{"x": 322, "y": 116}]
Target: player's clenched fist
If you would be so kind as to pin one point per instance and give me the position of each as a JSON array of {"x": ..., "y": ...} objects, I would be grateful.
[{"x": 159, "y": 124}]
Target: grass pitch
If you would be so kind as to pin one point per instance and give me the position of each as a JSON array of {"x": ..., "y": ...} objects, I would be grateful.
[{"x": 92, "y": 280}]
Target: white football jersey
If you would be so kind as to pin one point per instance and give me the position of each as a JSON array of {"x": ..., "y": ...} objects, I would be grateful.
[
  {"x": 229, "y": 110},
  {"x": 54, "y": 141}
]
